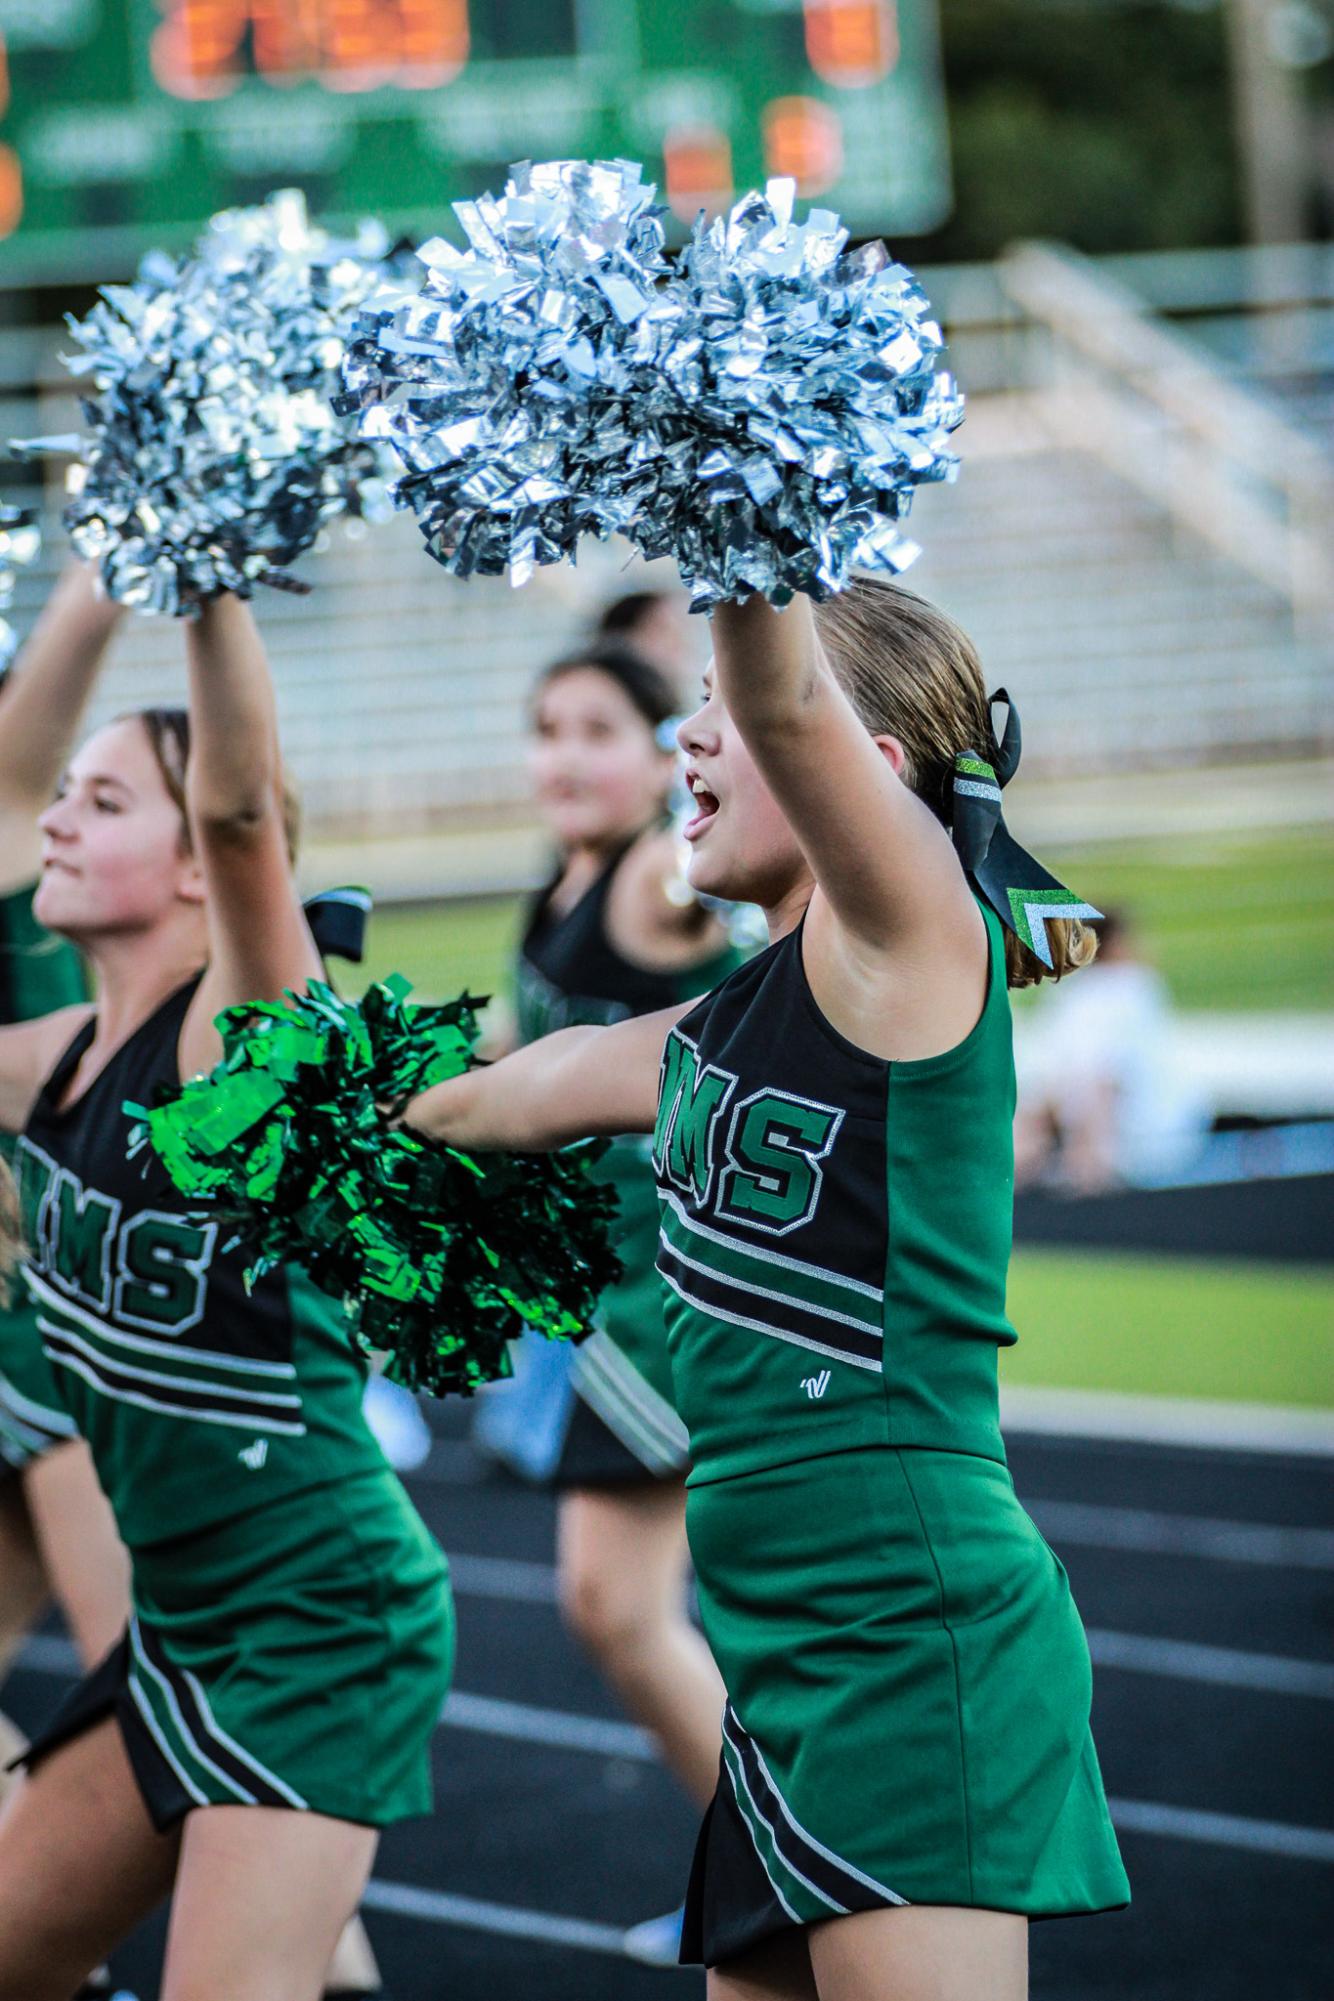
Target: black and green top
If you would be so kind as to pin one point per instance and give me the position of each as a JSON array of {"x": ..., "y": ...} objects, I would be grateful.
[
  {"x": 38, "y": 974},
  {"x": 835, "y": 1227},
  {"x": 571, "y": 974},
  {"x": 200, "y": 1400}
]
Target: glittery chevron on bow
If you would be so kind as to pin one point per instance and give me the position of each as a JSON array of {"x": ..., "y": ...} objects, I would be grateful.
[{"x": 1021, "y": 892}]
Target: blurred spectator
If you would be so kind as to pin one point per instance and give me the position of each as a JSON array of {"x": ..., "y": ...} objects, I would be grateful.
[
  {"x": 656, "y": 624},
  {"x": 1101, "y": 1103}
]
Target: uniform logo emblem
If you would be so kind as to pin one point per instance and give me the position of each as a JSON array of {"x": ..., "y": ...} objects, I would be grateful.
[
  {"x": 815, "y": 1386},
  {"x": 254, "y": 1455}
]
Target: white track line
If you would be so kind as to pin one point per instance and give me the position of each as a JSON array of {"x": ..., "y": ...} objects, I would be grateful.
[
  {"x": 1225, "y": 1667},
  {"x": 1224, "y": 1830},
  {"x": 1172, "y": 1823},
  {"x": 560, "y": 1729},
  {"x": 1082, "y": 1524},
  {"x": 1092, "y": 1525},
  {"x": 438, "y": 1907},
  {"x": 503, "y": 1577},
  {"x": 1197, "y": 1421}
]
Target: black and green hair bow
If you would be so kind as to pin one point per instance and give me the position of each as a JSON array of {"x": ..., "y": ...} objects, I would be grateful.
[{"x": 1018, "y": 888}]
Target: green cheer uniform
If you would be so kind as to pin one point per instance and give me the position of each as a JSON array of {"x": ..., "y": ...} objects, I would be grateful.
[
  {"x": 38, "y": 974},
  {"x": 292, "y": 1633},
  {"x": 908, "y": 1681},
  {"x": 624, "y": 1424}
]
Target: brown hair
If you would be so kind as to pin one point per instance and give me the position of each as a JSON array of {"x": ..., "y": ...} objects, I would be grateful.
[
  {"x": 642, "y": 683},
  {"x": 911, "y": 673},
  {"x": 168, "y": 732}
]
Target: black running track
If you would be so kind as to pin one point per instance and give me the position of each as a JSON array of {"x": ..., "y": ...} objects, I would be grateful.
[{"x": 1206, "y": 1579}]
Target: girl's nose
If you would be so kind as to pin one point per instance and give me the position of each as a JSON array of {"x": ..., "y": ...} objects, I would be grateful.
[
  {"x": 55, "y": 820},
  {"x": 690, "y": 730}
]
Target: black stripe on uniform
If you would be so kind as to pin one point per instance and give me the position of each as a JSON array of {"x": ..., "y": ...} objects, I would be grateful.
[
  {"x": 189, "y": 1402},
  {"x": 784, "y": 1319},
  {"x": 241, "y": 1774},
  {"x": 831, "y": 1880}
]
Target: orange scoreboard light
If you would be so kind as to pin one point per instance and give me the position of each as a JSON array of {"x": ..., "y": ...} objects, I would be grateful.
[
  {"x": 128, "y": 122},
  {"x": 206, "y": 48}
]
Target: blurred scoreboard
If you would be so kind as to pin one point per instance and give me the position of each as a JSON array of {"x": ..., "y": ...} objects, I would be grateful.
[{"x": 125, "y": 122}]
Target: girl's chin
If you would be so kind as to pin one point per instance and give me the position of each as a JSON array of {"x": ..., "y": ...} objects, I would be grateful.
[
  {"x": 586, "y": 830},
  {"x": 46, "y": 906},
  {"x": 709, "y": 875}
]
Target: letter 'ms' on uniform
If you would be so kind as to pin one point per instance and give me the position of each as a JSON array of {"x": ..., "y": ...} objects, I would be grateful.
[
  {"x": 774, "y": 1145},
  {"x": 692, "y": 1096},
  {"x": 163, "y": 1271},
  {"x": 80, "y": 1227},
  {"x": 36, "y": 1173}
]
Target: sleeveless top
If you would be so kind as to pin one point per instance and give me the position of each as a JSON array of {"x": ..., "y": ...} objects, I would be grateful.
[
  {"x": 38, "y": 974},
  {"x": 200, "y": 1401},
  {"x": 835, "y": 1226},
  {"x": 570, "y": 974}
]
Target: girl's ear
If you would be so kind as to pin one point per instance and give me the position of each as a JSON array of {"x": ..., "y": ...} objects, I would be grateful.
[{"x": 890, "y": 748}]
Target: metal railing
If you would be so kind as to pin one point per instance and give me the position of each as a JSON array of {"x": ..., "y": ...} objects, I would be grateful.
[{"x": 1156, "y": 408}]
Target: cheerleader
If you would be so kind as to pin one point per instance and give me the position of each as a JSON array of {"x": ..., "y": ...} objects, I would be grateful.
[
  {"x": 612, "y": 936},
  {"x": 56, "y": 1531},
  {"x": 271, "y": 1704},
  {"x": 908, "y": 1774}
]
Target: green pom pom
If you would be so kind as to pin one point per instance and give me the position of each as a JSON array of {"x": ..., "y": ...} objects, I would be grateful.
[{"x": 440, "y": 1258}]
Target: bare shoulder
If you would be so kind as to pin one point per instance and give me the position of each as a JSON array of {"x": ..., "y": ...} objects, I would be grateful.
[{"x": 652, "y": 918}]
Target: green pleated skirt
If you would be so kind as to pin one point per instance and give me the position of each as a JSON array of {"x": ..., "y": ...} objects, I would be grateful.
[
  {"x": 909, "y": 1690},
  {"x": 297, "y": 1657}
]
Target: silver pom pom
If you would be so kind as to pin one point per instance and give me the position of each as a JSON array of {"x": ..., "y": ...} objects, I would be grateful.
[
  {"x": 20, "y": 540},
  {"x": 762, "y": 412},
  {"x": 498, "y": 382},
  {"x": 214, "y": 455},
  {"x": 790, "y": 408}
]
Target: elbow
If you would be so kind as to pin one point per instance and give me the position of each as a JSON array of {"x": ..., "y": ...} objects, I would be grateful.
[{"x": 234, "y": 823}]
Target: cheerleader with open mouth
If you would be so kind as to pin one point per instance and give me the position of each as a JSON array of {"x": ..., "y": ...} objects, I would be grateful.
[{"x": 908, "y": 1775}]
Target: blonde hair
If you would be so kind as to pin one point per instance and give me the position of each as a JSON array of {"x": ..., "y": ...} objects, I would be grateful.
[
  {"x": 910, "y": 672},
  {"x": 11, "y": 1236},
  {"x": 168, "y": 732}
]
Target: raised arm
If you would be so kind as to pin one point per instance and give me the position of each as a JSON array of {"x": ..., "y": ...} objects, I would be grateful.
[
  {"x": 259, "y": 942},
  {"x": 571, "y": 1085},
  {"x": 41, "y": 705},
  {"x": 880, "y": 856}
]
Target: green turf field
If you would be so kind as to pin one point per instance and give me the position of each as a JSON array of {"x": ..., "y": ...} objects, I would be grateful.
[
  {"x": 1181, "y": 1327},
  {"x": 1235, "y": 922},
  {"x": 443, "y": 947}
]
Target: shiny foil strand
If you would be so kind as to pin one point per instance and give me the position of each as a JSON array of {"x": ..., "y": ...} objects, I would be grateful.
[
  {"x": 440, "y": 1258},
  {"x": 212, "y": 456}
]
